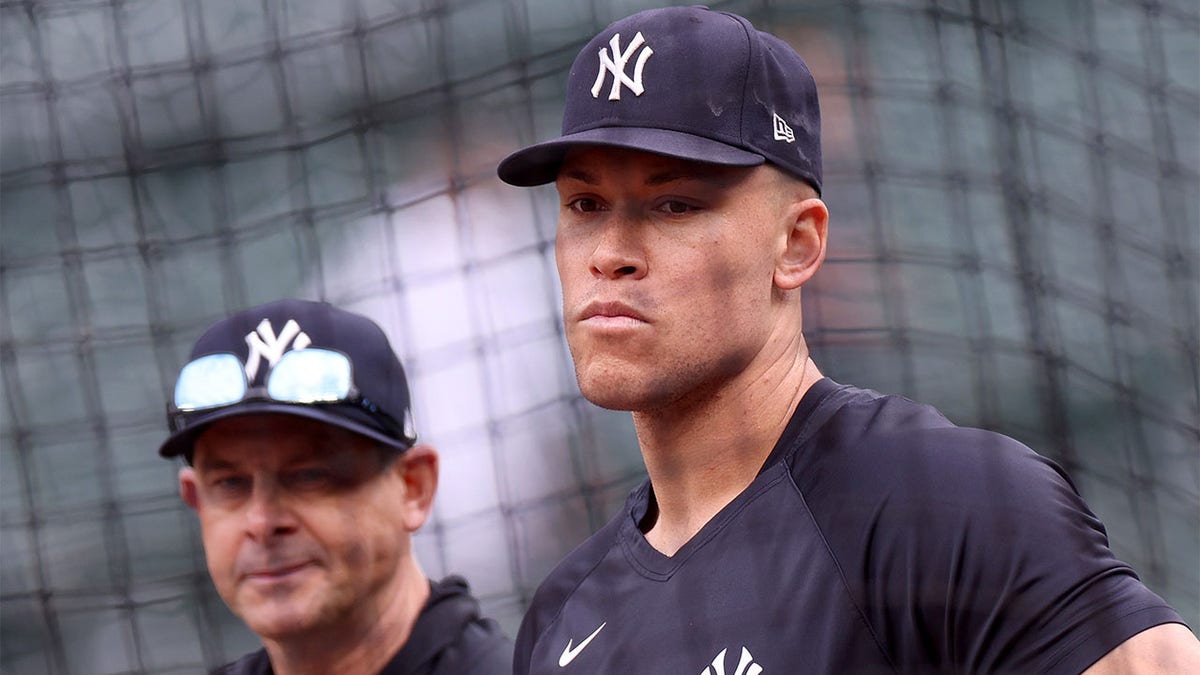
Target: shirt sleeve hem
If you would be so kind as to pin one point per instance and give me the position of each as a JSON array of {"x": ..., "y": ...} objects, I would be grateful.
[{"x": 1107, "y": 637}]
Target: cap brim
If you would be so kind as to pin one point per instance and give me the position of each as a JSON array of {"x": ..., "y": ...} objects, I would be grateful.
[
  {"x": 538, "y": 164},
  {"x": 180, "y": 442}
]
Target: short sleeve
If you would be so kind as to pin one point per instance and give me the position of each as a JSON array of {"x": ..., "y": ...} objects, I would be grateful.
[{"x": 968, "y": 552}]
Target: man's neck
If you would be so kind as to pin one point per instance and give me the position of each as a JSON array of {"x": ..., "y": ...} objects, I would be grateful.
[
  {"x": 700, "y": 454},
  {"x": 362, "y": 645}
]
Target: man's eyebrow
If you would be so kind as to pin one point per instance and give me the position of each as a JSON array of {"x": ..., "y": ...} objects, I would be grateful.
[
  {"x": 209, "y": 464},
  {"x": 715, "y": 178},
  {"x": 579, "y": 175}
]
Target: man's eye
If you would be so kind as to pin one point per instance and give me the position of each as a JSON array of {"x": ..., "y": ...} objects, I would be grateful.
[
  {"x": 584, "y": 205},
  {"x": 308, "y": 477},
  {"x": 230, "y": 484},
  {"x": 676, "y": 207}
]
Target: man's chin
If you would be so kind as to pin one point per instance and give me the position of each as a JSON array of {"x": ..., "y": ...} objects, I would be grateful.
[
  {"x": 279, "y": 623},
  {"x": 277, "y": 616},
  {"x": 625, "y": 392},
  {"x": 616, "y": 403}
]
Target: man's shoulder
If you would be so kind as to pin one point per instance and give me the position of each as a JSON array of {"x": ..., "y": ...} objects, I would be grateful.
[
  {"x": 451, "y": 636},
  {"x": 943, "y": 480},
  {"x": 947, "y": 528},
  {"x": 254, "y": 663},
  {"x": 873, "y": 442},
  {"x": 887, "y": 474},
  {"x": 581, "y": 561},
  {"x": 566, "y": 577},
  {"x": 833, "y": 417},
  {"x": 854, "y": 414}
]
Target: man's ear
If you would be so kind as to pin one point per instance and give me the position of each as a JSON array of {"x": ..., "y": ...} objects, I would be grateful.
[
  {"x": 804, "y": 250},
  {"x": 187, "y": 487},
  {"x": 419, "y": 471}
]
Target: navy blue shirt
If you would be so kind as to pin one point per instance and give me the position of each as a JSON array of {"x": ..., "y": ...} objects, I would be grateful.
[{"x": 877, "y": 538}]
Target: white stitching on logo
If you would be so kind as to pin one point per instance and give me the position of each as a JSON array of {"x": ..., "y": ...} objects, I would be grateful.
[
  {"x": 746, "y": 665},
  {"x": 615, "y": 64},
  {"x": 782, "y": 131},
  {"x": 265, "y": 343}
]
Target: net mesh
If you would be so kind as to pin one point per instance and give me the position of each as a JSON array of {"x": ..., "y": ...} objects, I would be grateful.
[{"x": 1015, "y": 239}]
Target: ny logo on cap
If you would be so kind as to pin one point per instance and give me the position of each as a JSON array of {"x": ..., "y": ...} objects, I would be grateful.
[
  {"x": 264, "y": 343},
  {"x": 615, "y": 64}
]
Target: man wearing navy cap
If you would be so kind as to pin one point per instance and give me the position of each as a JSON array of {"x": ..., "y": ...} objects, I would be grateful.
[
  {"x": 304, "y": 470},
  {"x": 790, "y": 524}
]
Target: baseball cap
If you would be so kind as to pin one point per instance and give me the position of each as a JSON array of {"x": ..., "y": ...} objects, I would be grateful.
[
  {"x": 353, "y": 359},
  {"x": 685, "y": 82}
]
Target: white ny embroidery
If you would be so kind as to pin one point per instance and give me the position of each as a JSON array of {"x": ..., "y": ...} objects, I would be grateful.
[
  {"x": 745, "y": 666},
  {"x": 615, "y": 64},
  {"x": 266, "y": 344}
]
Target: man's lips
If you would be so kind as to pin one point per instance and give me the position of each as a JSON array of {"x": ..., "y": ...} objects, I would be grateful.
[
  {"x": 275, "y": 572},
  {"x": 608, "y": 312}
]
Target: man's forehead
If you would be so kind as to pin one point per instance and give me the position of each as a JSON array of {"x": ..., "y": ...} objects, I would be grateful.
[
  {"x": 590, "y": 164},
  {"x": 271, "y": 439}
]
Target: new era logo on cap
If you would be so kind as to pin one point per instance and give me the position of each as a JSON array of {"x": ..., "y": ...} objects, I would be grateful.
[
  {"x": 685, "y": 82},
  {"x": 782, "y": 131}
]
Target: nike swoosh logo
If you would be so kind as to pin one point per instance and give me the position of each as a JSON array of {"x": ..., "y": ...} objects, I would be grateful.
[{"x": 569, "y": 654}]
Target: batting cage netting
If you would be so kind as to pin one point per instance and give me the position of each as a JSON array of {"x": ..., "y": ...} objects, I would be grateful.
[{"x": 1014, "y": 239}]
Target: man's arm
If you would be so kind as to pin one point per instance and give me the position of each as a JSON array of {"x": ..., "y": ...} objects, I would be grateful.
[{"x": 1167, "y": 648}]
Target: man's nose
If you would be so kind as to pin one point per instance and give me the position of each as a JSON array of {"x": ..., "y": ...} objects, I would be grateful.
[
  {"x": 619, "y": 250},
  {"x": 267, "y": 514}
]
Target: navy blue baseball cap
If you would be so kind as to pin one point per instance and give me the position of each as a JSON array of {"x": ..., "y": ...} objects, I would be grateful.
[
  {"x": 685, "y": 82},
  {"x": 347, "y": 374}
]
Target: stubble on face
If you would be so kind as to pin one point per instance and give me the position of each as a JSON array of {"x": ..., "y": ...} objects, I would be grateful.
[
  {"x": 690, "y": 355},
  {"x": 706, "y": 289},
  {"x": 331, "y": 546}
]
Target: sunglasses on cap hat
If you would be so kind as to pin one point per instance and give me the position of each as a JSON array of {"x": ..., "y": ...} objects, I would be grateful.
[
  {"x": 321, "y": 362},
  {"x": 311, "y": 376}
]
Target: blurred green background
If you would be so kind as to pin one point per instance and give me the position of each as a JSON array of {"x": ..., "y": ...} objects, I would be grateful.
[{"x": 1014, "y": 239}]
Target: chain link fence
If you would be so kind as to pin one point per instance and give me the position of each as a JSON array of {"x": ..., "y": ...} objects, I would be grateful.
[{"x": 1015, "y": 239}]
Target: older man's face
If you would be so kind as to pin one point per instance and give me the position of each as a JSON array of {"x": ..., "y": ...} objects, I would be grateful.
[{"x": 301, "y": 521}]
